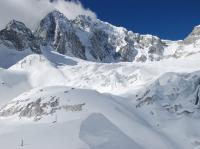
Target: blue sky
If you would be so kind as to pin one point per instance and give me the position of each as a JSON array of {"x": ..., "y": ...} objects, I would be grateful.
[{"x": 168, "y": 19}]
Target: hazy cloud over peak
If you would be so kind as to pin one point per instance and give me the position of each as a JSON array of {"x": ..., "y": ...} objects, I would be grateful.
[
  {"x": 71, "y": 9},
  {"x": 31, "y": 12}
]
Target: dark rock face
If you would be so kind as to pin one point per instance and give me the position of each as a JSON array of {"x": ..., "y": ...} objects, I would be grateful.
[
  {"x": 100, "y": 48},
  {"x": 56, "y": 30},
  {"x": 70, "y": 44},
  {"x": 128, "y": 53},
  {"x": 52, "y": 26},
  {"x": 20, "y": 37}
]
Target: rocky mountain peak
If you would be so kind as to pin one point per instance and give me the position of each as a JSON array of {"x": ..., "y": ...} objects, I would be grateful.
[
  {"x": 55, "y": 29},
  {"x": 83, "y": 22},
  {"x": 17, "y": 36},
  {"x": 56, "y": 15},
  {"x": 84, "y": 18},
  {"x": 193, "y": 36},
  {"x": 54, "y": 23},
  {"x": 18, "y": 27},
  {"x": 196, "y": 31},
  {"x": 91, "y": 39}
]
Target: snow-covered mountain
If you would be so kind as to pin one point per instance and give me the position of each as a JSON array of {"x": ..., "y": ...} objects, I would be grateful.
[
  {"x": 95, "y": 40},
  {"x": 86, "y": 84}
]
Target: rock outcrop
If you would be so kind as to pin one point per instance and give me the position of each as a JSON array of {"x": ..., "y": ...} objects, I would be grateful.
[{"x": 17, "y": 36}]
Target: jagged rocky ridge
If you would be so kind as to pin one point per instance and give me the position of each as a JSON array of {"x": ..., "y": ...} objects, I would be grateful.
[
  {"x": 95, "y": 40},
  {"x": 17, "y": 36}
]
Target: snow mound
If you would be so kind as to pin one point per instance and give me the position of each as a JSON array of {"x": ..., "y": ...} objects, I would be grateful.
[{"x": 88, "y": 110}]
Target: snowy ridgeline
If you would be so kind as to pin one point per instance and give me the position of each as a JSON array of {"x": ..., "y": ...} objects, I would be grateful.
[{"x": 90, "y": 39}]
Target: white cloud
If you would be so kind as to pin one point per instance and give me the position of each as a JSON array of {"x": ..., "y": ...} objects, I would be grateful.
[
  {"x": 32, "y": 11},
  {"x": 71, "y": 9}
]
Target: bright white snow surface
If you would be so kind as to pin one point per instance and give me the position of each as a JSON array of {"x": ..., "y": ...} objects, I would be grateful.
[{"x": 57, "y": 102}]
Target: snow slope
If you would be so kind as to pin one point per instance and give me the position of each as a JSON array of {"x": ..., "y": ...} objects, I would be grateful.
[
  {"x": 12, "y": 84},
  {"x": 122, "y": 114},
  {"x": 91, "y": 117},
  {"x": 9, "y": 57},
  {"x": 115, "y": 78}
]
